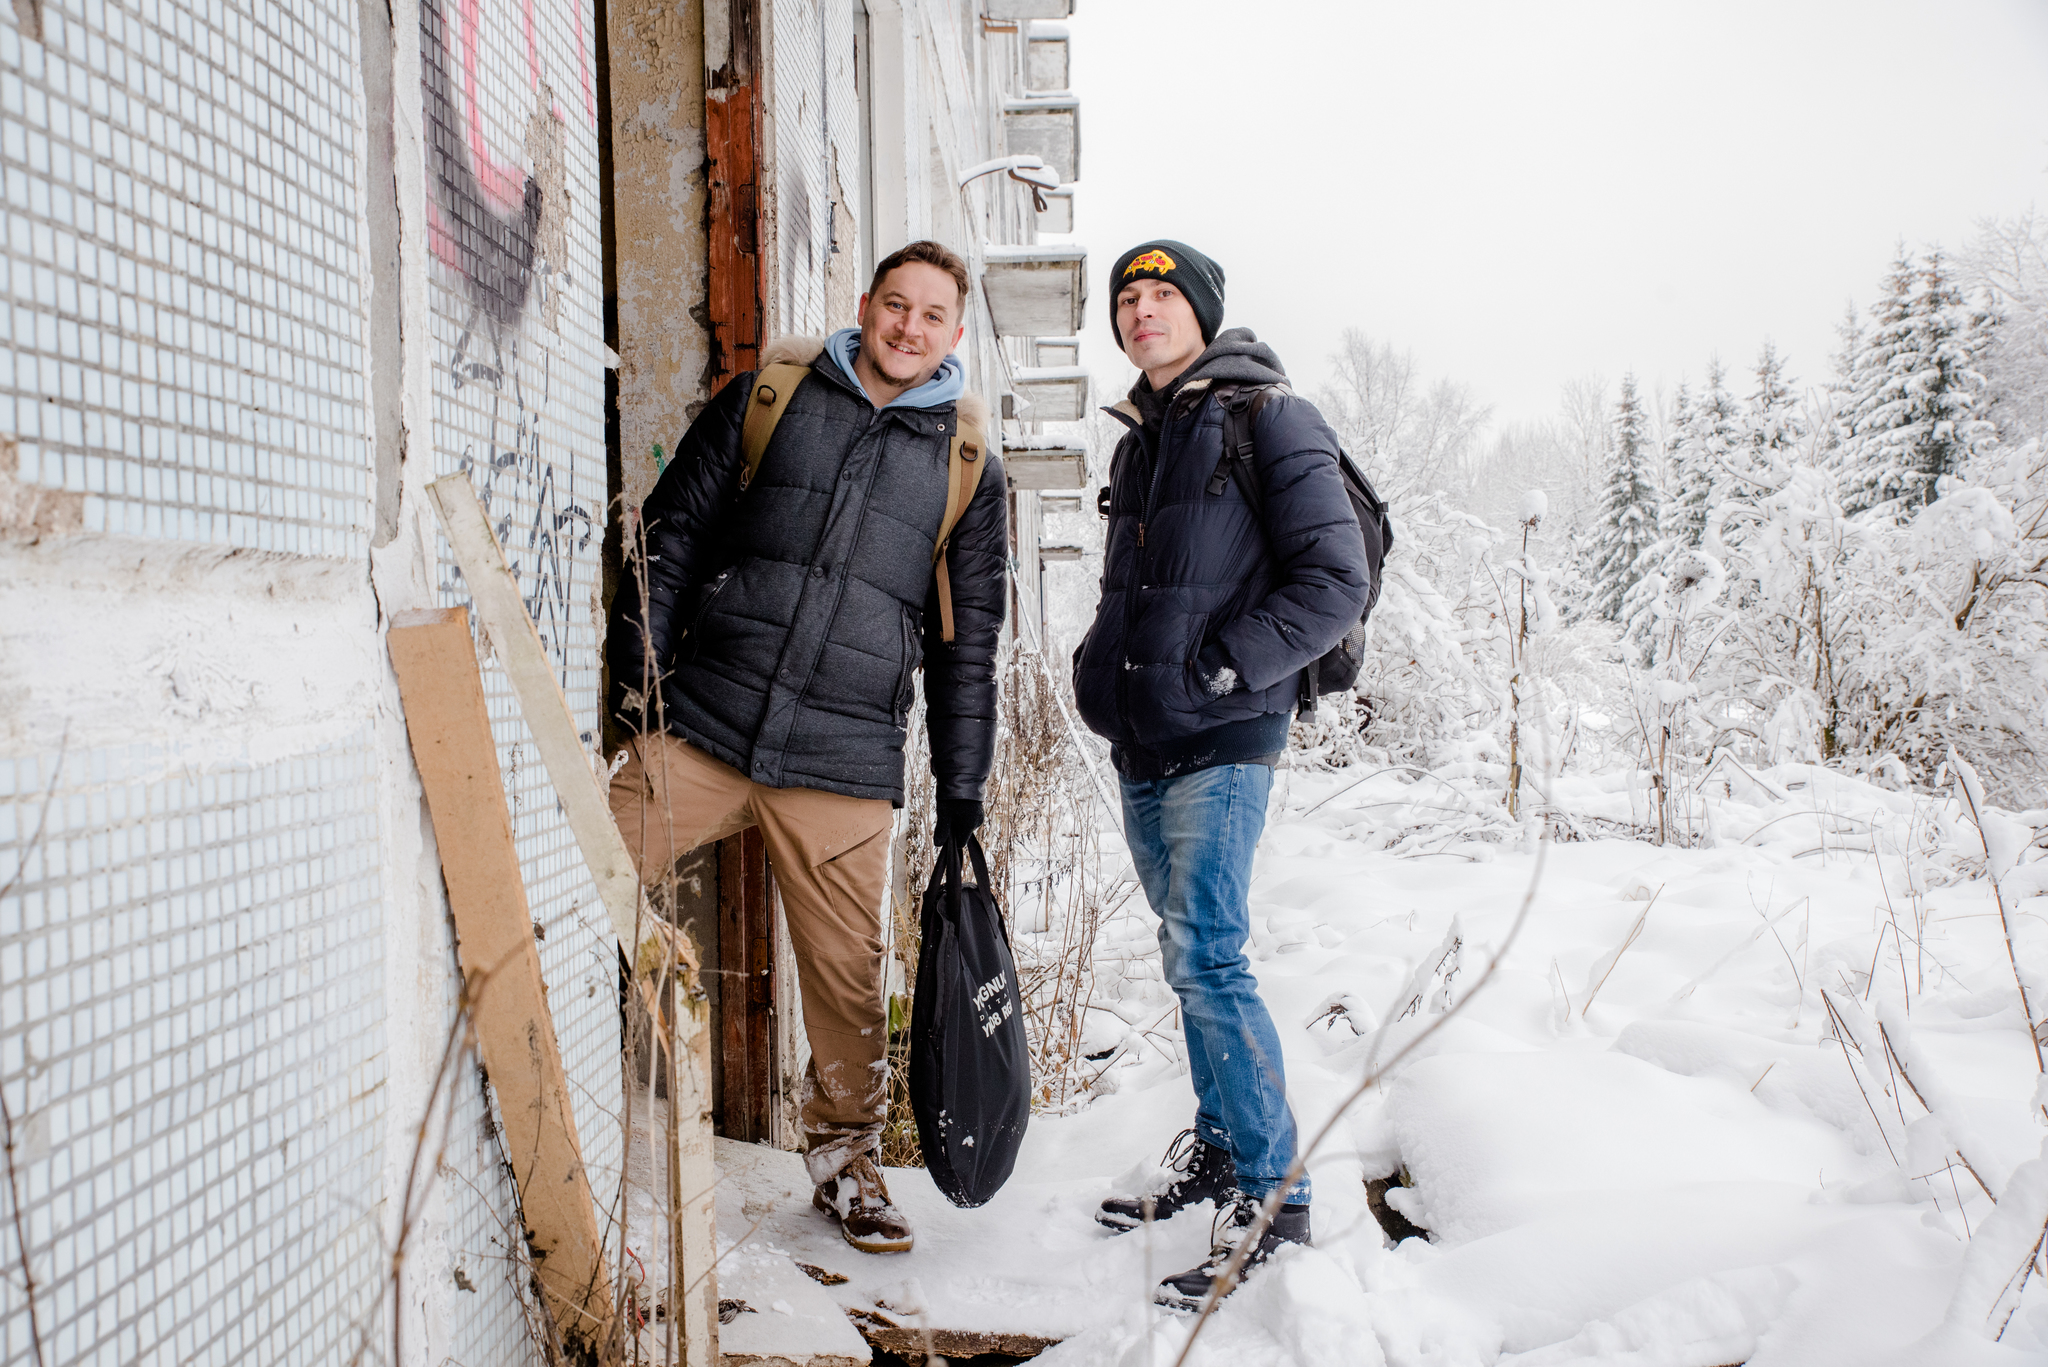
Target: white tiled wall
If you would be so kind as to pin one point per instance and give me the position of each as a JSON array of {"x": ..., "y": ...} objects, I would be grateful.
[
  {"x": 192, "y": 958},
  {"x": 182, "y": 336},
  {"x": 192, "y": 1056},
  {"x": 518, "y": 405},
  {"x": 191, "y": 972}
]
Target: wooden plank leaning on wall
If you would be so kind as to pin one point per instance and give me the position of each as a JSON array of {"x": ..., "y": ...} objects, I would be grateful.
[
  {"x": 444, "y": 699},
  {"x": 443, "y": 695}
]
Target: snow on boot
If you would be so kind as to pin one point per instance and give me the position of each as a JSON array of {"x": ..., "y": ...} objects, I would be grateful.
[
  {"x": 1203, "y": 1173},
  {"x": 1189, "y": 1289},
  {"x": 857, "y": 1200}
]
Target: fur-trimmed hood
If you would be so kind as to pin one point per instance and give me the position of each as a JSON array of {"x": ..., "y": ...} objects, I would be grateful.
[
  {"x": 973, "y": 410},
  {"x": 948, "y": 385},
  {"x": 791, "y": 351}
]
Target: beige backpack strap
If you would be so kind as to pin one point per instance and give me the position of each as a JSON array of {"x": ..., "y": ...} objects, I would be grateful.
[
  {"x": 964, "y": 465},
  {"x": 773, "y": 388}
]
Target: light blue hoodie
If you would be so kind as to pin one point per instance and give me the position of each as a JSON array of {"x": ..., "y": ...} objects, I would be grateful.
[{"x": 944, "y": 387}]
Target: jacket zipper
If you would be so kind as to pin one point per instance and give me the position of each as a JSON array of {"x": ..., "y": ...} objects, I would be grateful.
[
  {"x": 697, "y": 621},
  {"x": 1158, "y": 468},
  {"x": 1123, "y": 681}
]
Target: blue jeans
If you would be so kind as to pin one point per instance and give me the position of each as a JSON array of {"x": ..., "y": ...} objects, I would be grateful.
[{"x": 1192, "y": 838}]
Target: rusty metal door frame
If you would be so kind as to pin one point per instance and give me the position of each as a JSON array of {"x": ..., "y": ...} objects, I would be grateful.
[{"x": 736, "y": 296}]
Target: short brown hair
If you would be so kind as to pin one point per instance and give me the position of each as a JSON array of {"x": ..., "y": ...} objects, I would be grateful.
[{"x": 931, "y": 254}]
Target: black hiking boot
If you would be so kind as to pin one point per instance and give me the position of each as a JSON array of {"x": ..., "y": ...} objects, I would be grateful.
[
  {"x": 1188, "y": 1290},
  {"x": 1205, "y": 1173}
]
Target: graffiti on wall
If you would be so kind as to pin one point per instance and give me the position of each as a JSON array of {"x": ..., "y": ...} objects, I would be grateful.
[{"x": 499, "y": 227}]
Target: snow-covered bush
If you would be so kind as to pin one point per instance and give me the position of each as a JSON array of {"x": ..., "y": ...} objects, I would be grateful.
[
  {"x": 2007, "y": 267},
  {"x": 1876, "y": 643},
  {"x": 1953, "y": 641},
  {"x": 1432, "y": 676}
]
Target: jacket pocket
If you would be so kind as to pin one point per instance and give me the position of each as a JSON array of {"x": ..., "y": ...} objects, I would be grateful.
[
  {"x": 906, "y": 676},
  {"x": 687, "y": 644},
  {"x": 1191, "y": 651}
]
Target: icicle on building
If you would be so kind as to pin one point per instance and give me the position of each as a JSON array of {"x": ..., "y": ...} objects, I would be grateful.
[{"x": 271, "y": 270}]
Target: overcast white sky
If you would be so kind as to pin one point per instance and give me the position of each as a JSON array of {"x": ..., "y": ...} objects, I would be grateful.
[{"x": 1525, "y": 191}]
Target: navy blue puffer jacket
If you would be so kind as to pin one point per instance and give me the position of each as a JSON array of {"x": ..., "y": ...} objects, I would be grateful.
[{"x": 1185, "y": 569}]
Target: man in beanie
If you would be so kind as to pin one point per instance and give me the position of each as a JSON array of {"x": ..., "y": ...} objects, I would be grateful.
[{"x": 1211, "y": 608}]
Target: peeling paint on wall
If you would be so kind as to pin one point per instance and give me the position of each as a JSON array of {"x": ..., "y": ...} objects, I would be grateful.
[
  {"x": 843, "y": 283},
  {"x": 544, "y": 135},
  {"x": 659, "y": 203},
  {"x": 31, "y": 512}
]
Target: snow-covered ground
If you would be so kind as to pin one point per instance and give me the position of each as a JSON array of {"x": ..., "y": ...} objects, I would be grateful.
[
  {"x": 1641, "y": 1142},
  {"x": 1663, "y": 1158}
]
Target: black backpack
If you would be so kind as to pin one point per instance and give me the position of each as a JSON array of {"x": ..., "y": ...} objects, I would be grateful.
[
  {"x": 970, "y": 1065},
  {"x": 1338, "y": 669}
]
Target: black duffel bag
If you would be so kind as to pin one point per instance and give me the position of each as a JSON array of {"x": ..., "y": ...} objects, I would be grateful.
[{"x": 970, "y": 1068}]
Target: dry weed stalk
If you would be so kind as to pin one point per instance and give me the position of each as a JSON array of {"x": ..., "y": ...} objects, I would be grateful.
[
  {"x": 1635, "y": 933},
  {"x": 28, "y": 1276},
  {"x": 2016, "y": 1285},
  {"x": 458, "y": 1050},
  {"x": 1972, "y": 790},
  {"x": 1049, "y": 828},
  {"x": 1226, "y": 1278},
  {"x": 1042, "y": 834},
  {"x": 650, "y": 1042},
  {"x": 914, "y": 859},
  {"x": 1898, "y": 1062}
]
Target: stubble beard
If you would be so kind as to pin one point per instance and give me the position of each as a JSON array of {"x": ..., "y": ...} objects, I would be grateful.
[{"x": 884, "y": 360}]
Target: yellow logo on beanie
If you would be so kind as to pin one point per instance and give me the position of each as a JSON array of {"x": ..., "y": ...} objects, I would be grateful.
[{"x": 1154, "y": 260}]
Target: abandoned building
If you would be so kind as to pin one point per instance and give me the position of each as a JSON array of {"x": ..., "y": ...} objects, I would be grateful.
[{"x": 273, "y": 271}]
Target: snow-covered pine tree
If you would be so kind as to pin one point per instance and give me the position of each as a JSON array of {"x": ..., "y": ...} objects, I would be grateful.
[
  {"x": 1772, "y": 425},
  {"x": 1829, "y": 409},
  {"x": 1914, "y": 391},
  {"x": 1706, "y": 454},
  {"x": 1951, "y": 333},
  {"x": 1625, "y": 538},
  {"x": 1870, "y": 454},
  {"x": 1671, "y": 474},
  {"x": 1768, "y": 434}
]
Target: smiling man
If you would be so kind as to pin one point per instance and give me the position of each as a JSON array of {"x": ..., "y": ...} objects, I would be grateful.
[
  {"x": 764, "y": 646},
  {"x": 1215, "y": 597}
]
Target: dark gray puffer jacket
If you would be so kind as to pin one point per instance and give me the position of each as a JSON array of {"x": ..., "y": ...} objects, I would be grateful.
[
  {"x": 788, "y": 623},
  {"x": 1194, "y": 581}
]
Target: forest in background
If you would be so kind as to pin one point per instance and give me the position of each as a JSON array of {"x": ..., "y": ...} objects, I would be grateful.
[{"x": 1846, "y": 569}]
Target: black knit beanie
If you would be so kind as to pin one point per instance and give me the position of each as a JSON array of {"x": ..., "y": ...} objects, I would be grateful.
[{"x": 1190, "y": 272}]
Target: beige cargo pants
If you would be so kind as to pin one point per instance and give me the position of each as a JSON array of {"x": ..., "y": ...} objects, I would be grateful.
[{"x": 830, "y": 857}]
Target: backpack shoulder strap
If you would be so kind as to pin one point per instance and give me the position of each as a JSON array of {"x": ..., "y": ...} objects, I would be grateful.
[
  {"x": 964, "y": 466},
  {"x": 774, "y": 386},
  {"x": 1241, "y": 409}
]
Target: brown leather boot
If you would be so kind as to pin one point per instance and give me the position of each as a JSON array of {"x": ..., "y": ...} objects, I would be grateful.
[{"x": 857, "y": 1200}]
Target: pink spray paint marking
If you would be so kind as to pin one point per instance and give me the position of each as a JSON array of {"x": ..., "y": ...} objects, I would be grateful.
[
  {"x": 532, "y": 52},
  {"x": 583, "y": 58},
  {"x": 503, "y": 183}
]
